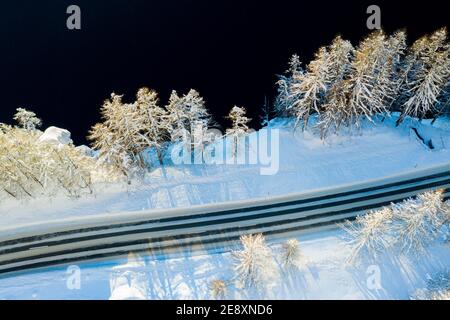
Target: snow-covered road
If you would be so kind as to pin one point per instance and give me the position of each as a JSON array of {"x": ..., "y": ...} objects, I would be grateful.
[{"x": 204, "y": 227}]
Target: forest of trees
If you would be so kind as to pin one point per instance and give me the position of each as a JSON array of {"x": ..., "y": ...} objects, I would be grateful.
[
  {"x": 344, "y": 84},
  {"x": 341, "y": 86},
  {"x": 128, "y": 129}
]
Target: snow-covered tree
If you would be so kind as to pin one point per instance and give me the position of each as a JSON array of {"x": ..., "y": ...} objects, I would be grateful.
[
  {"x": 218, "y": 289},
  {"x": 128, "y": 129},
  {"x": 27, "y": 119},
  {"x": 409, "y": 226},
  {"x": 311, "y": 89},
  {"x": 285, "y": 97},
  {"x": 118, "y": 138},
  {"x": 369, "y": 234},
  {"x": 388, "y": 81},
  {"x": 255, "y": 267},
  {"x": 364, "y": 99},
  {"x": 152, "y": 120},
  {"x": 177, "y": 117},
  {"x": 186, "y": 114},
  {"x": 336, "y": 111},
  {"x": 239, "y": 121},
  {"x": 196, "y": 108},
  {"x": 418, "y": 221},
  {"x": 339, "y": 59},
  {"x": 425, "y": 76},
  {"x": 239, "y": 127},
  {"x": 291, "y": 255}
]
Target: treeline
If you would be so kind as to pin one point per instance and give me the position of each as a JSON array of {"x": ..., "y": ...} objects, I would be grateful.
[
  {"x": 128, "y": 129},
  {"x": 344, "y": 84}
]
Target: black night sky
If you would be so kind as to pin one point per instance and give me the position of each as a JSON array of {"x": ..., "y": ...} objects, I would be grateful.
[{"x": 230, "y": 51}]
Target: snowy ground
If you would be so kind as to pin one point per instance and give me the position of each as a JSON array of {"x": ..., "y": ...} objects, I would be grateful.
[
  {"x": 323, "y": 275},
  {"x": 306, "y": 163}
]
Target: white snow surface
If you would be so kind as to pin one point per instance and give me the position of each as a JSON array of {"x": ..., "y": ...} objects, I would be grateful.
[
  {"x": 377, "y": 150},
  {"x": 322, "y": 274},
  {"x": 306, "y": 163}
]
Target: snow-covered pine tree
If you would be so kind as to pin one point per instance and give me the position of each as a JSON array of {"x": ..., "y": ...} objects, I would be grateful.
[
  {"x": 426, "y": 75},
  {"x": 387, "y": 81},
  {"x": 239, "y": 127},
  {"x": 177, "y": 117},
  {"x": 291, "y": 255},
  {"x": 239, "y": 121},
  {"x": 335, "y": 108},
  {"x": 409, "y": 226},
  {"x": 218, "y": 289},
  {"x": 407, "y": 74},
  {"x": 364, "y": 100},
  {"x": 284, "y": 100},
  {"x": 27, "y": 119},
  {"x": 340, "y": 58},
  {"x": 254, "y": 265},
  {"x": 199, "y": 119},
  {"x": 118, "y": 138},
  {"x": 369, "y": 234},
  {"x": 196, "y": 109},
  {"x": 308, "y": 94},
  {"x": 152, "y": 120},
  {"x": 336, "y": 111},
  {"x": 418, "y": 222},
  {"x": 189, "y": 118}
]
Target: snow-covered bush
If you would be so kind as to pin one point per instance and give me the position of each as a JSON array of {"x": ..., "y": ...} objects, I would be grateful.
[
  {"x": 410, "y": 227},
  {"x": 291, "y": 255},
  {"x": 254, "y": 265},
  {"x": 30, "y": 168},
  {"x": 218, "y": 289}
]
